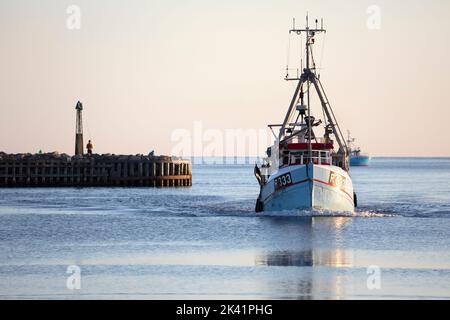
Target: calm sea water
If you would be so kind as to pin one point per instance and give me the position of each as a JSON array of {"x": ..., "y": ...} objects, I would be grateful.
[{"x": 207, "y": 242}]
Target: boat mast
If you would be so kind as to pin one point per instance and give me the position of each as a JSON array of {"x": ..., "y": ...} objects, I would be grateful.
[
  {"x": 309, "y": 77},
  {"x": 308, "y": 103},
  {"x": 305, "y": 78}
]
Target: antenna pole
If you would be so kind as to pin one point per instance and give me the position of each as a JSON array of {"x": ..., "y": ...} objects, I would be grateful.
[
  {"x": 305, "y": 77},
  {"x": 308, "y": 102}
]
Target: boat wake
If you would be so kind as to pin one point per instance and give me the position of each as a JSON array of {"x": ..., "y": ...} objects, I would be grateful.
[
  {"x": 246, "y": 209},
  {"x": 324, "y": 213}
]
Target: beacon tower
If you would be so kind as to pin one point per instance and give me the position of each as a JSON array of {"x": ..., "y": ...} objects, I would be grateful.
[{"x": 79, "y": 130}]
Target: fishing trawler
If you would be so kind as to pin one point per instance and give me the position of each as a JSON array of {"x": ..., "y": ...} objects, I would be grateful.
[
  {"x": 303, "y": 170},
  {"x": 357, "y": 157}
]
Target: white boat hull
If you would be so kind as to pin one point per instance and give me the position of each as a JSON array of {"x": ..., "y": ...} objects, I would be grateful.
[{"x": 321, "y": 187}]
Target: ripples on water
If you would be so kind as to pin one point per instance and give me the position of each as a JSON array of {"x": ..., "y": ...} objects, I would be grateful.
[
  {"x": 416, "y": 187},
  {"x": 155, "y": 239}
]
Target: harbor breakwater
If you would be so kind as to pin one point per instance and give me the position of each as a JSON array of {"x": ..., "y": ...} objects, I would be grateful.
[{"x": 62, "y": 170}]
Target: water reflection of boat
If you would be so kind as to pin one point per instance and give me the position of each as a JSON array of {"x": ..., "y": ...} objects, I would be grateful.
[
  {"x": 285, "y": 258},
  {"x": 308, "y": 258},
  {"x": 315, "y": 263}
]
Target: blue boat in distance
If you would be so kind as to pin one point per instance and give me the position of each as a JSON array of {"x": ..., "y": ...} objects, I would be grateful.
[{"x": 357, "y": 158}]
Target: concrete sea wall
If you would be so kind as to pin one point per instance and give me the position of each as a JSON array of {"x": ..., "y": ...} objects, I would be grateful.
[{"x": 62, "y": 170}]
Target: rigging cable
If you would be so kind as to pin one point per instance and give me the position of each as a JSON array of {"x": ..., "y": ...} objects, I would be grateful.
[
  {"x": 298, "y": 75},
  {"x": 312, "y": 58},
  {"x": 288, "y": 55},
  {"x": 321, "y": 54},
  {"x": 324, "y": 117},
  {"x": 301, "y": 53},
  {"x": 287, "y": 64}
]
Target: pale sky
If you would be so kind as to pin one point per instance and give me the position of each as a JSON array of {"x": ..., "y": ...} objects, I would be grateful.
[{"x": 146, "y": 68}]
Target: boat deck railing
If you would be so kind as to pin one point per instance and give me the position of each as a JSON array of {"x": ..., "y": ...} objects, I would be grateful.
[{"x": 319, "y": 157}]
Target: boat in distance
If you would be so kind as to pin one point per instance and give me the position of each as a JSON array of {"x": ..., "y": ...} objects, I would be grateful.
[
  {"x": 357, "y": 157},
  {"x": 303, "y": 170},
  {"x": 359, "y": 160}
]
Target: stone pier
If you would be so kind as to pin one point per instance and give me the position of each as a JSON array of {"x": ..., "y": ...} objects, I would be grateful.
[{"x": 61, "y": 170}]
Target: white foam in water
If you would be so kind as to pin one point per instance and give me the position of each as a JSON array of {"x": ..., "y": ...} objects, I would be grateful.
[{"x": 322, "y": 213}]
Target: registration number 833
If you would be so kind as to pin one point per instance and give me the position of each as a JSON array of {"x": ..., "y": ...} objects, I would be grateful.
[{"x": 283, "y": 181}]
